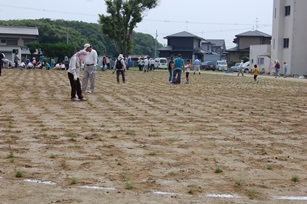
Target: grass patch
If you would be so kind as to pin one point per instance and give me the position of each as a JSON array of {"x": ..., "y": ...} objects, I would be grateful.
[
  {"x": 19, "y": 174},
  {"x": 193, "y": 189},
  {"x": 52, "y": 156},
  {"x": 129, "y": 185},
  {"x": 153, "y": 153},
  {"x": 269, "y": 167},
  {"x": 130, "y": 132},
  {"x": 63, "y": 163},
  {"x": 295, "y": 178},
  {"x": 218, "y": 170},
  {"x": 11, "y": 155},
  {"x": 73, "y": 181},
  {"x": 252, "y": 193},
  {"x": 125, "y": 176}
]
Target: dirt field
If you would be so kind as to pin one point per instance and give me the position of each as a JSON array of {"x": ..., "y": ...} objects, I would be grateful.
[{"x": 221, "y": 139}]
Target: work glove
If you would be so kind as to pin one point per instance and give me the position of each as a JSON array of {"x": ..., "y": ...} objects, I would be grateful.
[
  {"x": 75, "y": 77},
  {"x": 94, "y": 68}
]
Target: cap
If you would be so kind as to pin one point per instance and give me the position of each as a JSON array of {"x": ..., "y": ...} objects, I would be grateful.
[
  {"x": 120, "y": 56},
  {"x": 86, "y": 46}
]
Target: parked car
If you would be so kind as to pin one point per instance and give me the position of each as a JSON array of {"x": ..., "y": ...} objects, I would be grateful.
[
  {"x": 246, "y": 67},
  {"x": 208, "y": 65},
  {"x": 235, "y": 68},
  {"x": 221, "y": 65},
  {"x": 161, "y": 63}
]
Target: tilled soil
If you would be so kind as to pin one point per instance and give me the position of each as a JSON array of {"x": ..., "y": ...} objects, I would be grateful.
[{"x": 147, "y": 141}]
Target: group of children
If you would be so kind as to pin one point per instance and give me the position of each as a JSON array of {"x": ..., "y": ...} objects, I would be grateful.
[{"x": 188, "y": 66}]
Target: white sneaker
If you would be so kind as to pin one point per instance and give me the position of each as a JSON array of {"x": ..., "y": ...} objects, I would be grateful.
[{"x": 90, "y": 91}]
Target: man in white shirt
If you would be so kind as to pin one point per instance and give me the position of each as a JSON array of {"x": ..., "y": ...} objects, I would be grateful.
[
  {"x": 285, "y": 69},
  {"x": 90, "y": 68},
  {"x": 241, "y": 69},
  {"x": 146, "y": 63}
]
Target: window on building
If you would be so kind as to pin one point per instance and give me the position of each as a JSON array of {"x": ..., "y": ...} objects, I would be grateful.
[
  {"x": 286, "y": 42},
  {"x": 260, "y": 61},
  {"x": 12, "y": 42},
  {"x": 287, "y": 10},
  {"x": 3, "y": 42}
]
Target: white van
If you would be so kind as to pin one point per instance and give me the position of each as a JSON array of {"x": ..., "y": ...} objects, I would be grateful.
[
  {"x": 221, "y": 65},
  {"x": 161, "y": 63}
]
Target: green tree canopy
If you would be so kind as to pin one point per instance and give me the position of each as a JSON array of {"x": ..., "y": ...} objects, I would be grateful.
[
  {"x": 124, "y": 15},
  {"x": 77, "y": 33}
]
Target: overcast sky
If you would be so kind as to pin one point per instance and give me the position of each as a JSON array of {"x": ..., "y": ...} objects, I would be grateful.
[{"x": 209, "y": 19}]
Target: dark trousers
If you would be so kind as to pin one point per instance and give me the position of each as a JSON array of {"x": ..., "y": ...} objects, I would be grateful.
[
  {"x": 75, "y": 86},
  {"x": 120, "y": 72}
]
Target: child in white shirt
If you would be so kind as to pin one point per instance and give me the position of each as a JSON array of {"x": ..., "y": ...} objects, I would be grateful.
[{"x": 187, "y": 68}]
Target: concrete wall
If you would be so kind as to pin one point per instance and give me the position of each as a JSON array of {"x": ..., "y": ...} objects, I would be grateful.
[
  {"x": 292, "y": 27},
  {"x": 256, "y": 53}
]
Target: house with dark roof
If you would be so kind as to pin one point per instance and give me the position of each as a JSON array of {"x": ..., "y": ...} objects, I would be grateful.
[
  {"x": 14, "y": 39},
  {"x": 184, "y": 43},
  {"x": 215, "y": 49},
  {"x": 244, "y": 41}
]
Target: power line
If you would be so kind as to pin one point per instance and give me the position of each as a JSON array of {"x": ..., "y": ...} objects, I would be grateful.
[
  {"x": 152, "y": 20},
  {"x": 47, "y": 10}
]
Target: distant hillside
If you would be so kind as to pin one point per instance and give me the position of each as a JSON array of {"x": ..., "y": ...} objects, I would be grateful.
[{"x": 77, "y": 33}]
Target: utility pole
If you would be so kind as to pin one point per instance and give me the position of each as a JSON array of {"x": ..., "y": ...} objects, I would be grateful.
[
  {"x": 156, "y": 44},
  {"x": 66, "y": 37}
]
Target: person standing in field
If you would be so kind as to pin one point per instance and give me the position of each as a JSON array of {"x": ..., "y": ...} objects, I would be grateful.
[
  {"x": 255, "y": 73},
  {"x": 146, "y": 64},
  {"x": 2, "y": 56},
  {"x": 90, "y": 68},
  {"x": 241, "y": 69},
  {"x": 187, "y": 68},
  {"x": 16, "y": 59},
  {"x": 285, "y": 69},
  {"x": 197, "y": 64},
  {"x": 170, "y": 69},
  {"x": 277, "y": 67},
  {"x": 75, "y": 63},
  {"x": 178, "y": 65},
  {"x": 120, "y": 67}
]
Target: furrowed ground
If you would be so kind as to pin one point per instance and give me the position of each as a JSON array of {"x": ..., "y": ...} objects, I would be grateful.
[{"x": 220, "y": 135}]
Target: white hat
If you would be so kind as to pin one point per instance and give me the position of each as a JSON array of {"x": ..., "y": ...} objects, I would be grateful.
[
  {"x": 86, "y": 45},
  {"x": 120, "y": 56}
]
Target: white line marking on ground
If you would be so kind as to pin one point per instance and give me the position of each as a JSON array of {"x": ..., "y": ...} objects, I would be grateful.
[
  {"x": 291, "y": 198},
  {"x": 163, "y": 193},
  {"x": 222, "y": 196},
  {"x": 99, "y": 188},
  {"x": 300, "y": 198},
  {"x": 40, "y": 182}
]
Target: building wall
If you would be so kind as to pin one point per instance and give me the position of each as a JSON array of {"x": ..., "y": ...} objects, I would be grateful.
[
  {"x": 245, "y": 42},
  {"x": 292, "y": 27},
  {"x": 180, "y": 43},
  {"x": 236, "y": 56},
  {"x": 259, "y": 54}
]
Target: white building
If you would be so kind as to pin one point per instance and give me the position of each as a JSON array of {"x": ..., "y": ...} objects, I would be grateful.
[
  {"x": 260, "y": 55},
  {"x": 14, "y": 39},
  {"x": 289, "y": 35}
]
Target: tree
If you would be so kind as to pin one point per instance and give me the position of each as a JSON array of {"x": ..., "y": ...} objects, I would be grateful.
[{"x": 123, "y": 18}]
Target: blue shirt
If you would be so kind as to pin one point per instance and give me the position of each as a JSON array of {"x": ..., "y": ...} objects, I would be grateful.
[
  {"x": 197, "y": 62},
  {"x": 178, "y": 63}
]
